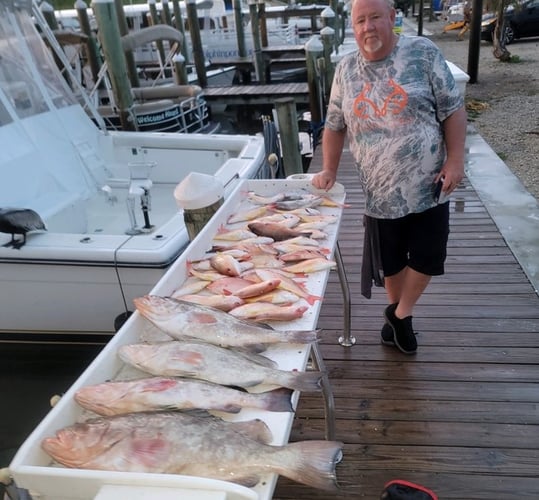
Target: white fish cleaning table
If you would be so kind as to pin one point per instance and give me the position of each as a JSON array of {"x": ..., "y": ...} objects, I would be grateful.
[{"x": 32, "y": 469}]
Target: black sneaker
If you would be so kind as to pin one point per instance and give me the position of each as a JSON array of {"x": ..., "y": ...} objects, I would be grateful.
[
  {"x": 387, "y": 335},
  {"x": 403, "y": 332}
]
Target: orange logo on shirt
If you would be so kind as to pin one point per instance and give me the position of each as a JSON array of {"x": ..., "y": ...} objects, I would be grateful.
[{"x": 394, "y": 103}]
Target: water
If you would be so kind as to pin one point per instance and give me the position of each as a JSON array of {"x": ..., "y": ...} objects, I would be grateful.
[{"x": 30, "y": 374}]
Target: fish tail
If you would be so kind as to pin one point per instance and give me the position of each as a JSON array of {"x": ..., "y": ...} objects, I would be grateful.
[
  {"x": 301, "y": 336},
  {"x": 306, "y": 381},
  {"x": 277, "y": 400},
  {"x": 311, "y": 299},
  {"x": 314, "y": 463}
]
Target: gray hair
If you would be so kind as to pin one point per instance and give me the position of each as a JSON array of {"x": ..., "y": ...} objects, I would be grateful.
[{"x": 390, "y": 4}]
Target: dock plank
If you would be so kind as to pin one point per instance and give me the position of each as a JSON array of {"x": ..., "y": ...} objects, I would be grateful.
[{"x": 461, "y": 416}]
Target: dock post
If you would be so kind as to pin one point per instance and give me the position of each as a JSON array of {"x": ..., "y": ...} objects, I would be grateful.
[
  {"x": 165, "y": 15},
  {"x": 327, "y": 34},
  {"x": 48, "y": 13},
  {"x": 178, "y": 22},
  {"x": 129, "y": 57},
  {"x": 240, "y": 33},
  {"x": 263, "y": 23},
  {"x": 155, "y": 21},
  {"x": 313, "y": 51},
  {"x": 109, "y": 33},
  {"x": 94, "y": 58},
  {"x": 198, "y": 50},
  {"x": 180, "y": 72},
  {"x": 289, "y": 132},
  {"x": 255, "y": 28},
  {"x": 341, "y": 23}
]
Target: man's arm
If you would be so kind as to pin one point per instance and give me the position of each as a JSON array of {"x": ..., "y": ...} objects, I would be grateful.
[
  {"x": 455, "y": 137},
  {"x": 332, "y": 146}
]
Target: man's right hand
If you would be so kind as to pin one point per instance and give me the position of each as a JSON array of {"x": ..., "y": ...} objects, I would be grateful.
[{"x": 324, "y": 180}]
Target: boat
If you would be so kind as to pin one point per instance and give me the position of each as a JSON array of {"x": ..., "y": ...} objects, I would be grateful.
[{"x": 113, "y": 225}]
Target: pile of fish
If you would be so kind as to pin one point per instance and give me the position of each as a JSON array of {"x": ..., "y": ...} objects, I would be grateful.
[
  {"x": 258, "y": 264},
  {"x": 213, "y": 362}
]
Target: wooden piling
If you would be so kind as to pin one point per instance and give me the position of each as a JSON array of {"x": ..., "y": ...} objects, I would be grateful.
[
  {"x": 129, "y": 56},
  {"x": 196, "y": 43},
  {"x": 109, "y": 34},
  {"x": 155, "y": 21},
  {"x": 289, "y": 133},
  {"x": 313, "y": 51},
  {"x": 240, "y": 33},
  {"x": 255, "y": 29},
  {"x": 178, "y": 22},
  {"x": 94, "y": 57},
  {"x": 326, "y": 35}
]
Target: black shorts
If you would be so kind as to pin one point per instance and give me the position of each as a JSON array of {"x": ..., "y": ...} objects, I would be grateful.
[{"x": 418, "y": 241}]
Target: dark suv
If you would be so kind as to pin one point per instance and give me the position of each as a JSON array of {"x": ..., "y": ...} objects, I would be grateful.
[{"x": 520, "y": 21}]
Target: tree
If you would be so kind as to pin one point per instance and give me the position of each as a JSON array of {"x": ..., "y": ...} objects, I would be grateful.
[{"x": 498, "y": 36}]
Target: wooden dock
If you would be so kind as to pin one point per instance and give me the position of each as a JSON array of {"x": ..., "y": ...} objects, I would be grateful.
[
  {"x": 461, "y": 416},
  {"x": 257, "y": 94}
]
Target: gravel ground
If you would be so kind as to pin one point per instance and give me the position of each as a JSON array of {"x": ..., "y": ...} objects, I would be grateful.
[{"x": 504, "y": 103}]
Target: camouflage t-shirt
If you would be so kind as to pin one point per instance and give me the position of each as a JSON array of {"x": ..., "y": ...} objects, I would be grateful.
[{"x": 393, "y": 110}]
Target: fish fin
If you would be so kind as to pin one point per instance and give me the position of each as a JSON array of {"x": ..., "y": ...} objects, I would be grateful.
[
  {"x": 278, "y": 400},
  {"x": 306, "y": 381},
  {"x": 256, "y": 358},
  {"x": 222, "y": 229},
  {"x": 255, "y": 429},
  {"x": 314, "y": 463},
  {"x": 247, "y": 481}
]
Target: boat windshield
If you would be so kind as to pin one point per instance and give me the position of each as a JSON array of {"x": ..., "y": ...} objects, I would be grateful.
[{"x": 29, "y": 81}]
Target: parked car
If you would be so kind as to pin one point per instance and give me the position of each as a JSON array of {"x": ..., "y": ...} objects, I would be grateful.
[{"x": 520, "y": 21}]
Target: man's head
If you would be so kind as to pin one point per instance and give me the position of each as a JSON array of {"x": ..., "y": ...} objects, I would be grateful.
[{"x": 373, "y": 22}]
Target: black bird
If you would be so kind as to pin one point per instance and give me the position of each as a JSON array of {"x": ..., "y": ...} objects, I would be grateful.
[{"x": 19, "y": 221}]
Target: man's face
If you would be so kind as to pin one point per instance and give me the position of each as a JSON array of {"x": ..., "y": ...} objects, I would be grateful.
[{"x": 373, "y": 22}]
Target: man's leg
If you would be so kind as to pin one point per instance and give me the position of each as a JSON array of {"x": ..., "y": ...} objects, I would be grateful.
[{"x": 405, "y": 287}]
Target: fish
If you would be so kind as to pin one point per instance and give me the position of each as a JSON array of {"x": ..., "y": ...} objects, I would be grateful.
[
  {"x": 303, "y": 240},
  {"x": 298, "y": 255},
  {"x": 228, "y": 285},
  {"x": 233, "y": 235},
  {"x": 227, "y": 245},
  {"x": 165, "y": 394},
  {"x": 276, "y": 231},
  {"x": 247, "y": 215},
  {"x": 222, "y": 302},
  {"x": 288, "y": 284},
  {"x": 312, "y": 265},
  {"x": 258, "y": 199},
  {"x": 286, "y": 219},
  {"x": 185, "y": 320},
  {"x": 286, "y": 247},
  {"x": 210, "y": 275},
  {"x": 182, "y": 443},
  {"x": 266, "y": 260},
  {"x": 211, "y": 363},
  {"x": 307, "y": 201},
  {"x": 257, "y": 289},
  {"x": 226, "y": 264},
  {"x": 264, "y": 311},
  {"x": 279, "y": 297},
  {"x": 190, "y": 285}
]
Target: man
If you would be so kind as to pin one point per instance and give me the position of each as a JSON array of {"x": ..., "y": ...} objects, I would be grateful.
[{"x": 400, "y": 107}]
